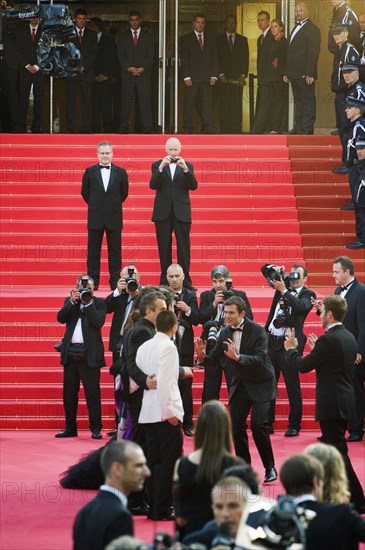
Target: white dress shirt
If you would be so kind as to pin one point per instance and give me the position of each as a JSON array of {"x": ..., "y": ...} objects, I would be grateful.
[{"x": 159, "y": 356}]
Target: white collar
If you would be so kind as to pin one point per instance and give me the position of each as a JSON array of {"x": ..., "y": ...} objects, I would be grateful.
[{"x": 115, "y": 492}]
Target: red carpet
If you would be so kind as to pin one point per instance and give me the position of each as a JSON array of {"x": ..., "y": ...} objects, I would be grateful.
[{"x": 37, "y": 513}]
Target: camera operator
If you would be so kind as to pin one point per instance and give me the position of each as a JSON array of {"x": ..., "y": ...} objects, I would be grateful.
[
  {"x": 82, "y": 354},
  {"x": 187, "y": 313},
  {"x": 290, "y": 306},
  {"x": 211, "y": 316}
]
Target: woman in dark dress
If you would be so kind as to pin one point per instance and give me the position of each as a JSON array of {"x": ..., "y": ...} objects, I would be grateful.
[
  {"x": 279, "y": 90},
  {"x": 196, "y": 473}
]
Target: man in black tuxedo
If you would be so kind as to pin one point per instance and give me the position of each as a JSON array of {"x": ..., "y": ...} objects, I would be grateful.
[
  {"x": 199, "y": 67},
  {"x": 102, "y": 88},
  {"x": 211, "y": 316},
  {"x": 187, "y": 313},
  {"x": 27, "y": 38},
  {"x": 107, "y": 517},
  {"x": 82, "y": 354},
  {"x": 172, "y": 179},
  {"x": 136, "y": 50},
  {"x": 86, "y": 41},
  {"x": 293, "y": 299},
  {"x": 334, "y": 525},
  {"x": 263, "y": 113},
  {"x": 343, "y": 15},
  {"x": 104, "y": 189},
  {"x": 333, "y": 358},
  {"x": 242, "y": 345},
  {"x": 233, "y": 70},
  {"x": 301, "y": 69}
]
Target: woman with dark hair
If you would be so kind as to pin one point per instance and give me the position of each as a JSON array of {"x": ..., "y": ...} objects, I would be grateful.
[
  {"x": 279, "y": 90},
  {"x": 196, "y": 473}
]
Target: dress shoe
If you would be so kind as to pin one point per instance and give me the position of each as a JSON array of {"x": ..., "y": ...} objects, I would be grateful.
[
  {"x": 189, "y": 431},
  {"x": 341, "y": 169},
  {"x": 95, "y": 434},
  {"x": 291, "y": 432},
  {"x": 334, "y": 133},
  {"x": 169, "y": 516},
  {"x": 142, "y": 510},
  {"x": 111, "y": 433},
  {"x": 352, "y": 438},
  {"x": 355, "y": 245},
  {"x": 271, "y": 429},
  {"x": 348, "y": 206},
  {"x": 293, "y": 132},
  {"x": 66, "y": 433},
  {"x": 270, "y": 475}
]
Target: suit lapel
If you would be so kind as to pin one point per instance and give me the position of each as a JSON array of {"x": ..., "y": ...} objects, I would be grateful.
[
  {"x": 245, "y": 335},
  {"x": 168, "y": 172},
  {"x": 111, "y": 179},
  {"x": 98, "y": 176}
]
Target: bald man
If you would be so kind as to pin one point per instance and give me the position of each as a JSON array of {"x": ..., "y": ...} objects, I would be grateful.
[{"x": 172, "y": 179}]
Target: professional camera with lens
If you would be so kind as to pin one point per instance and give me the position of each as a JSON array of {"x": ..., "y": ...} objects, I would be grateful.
[
  {"x": 273, "y": 272},
  {"x": 283, "y": 317},
  {"x": 130, "y": 281},
  {"x": 213, "y": 328},
  {"x": 85, "y": 293},
  {"x": 228, "y": 292}
]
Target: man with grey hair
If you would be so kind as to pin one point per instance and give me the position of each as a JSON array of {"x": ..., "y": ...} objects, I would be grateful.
[
  {"x": 172, "y": 179},
  {"x": 104, "y": 189},
  {"x": 211, "y": 316}
]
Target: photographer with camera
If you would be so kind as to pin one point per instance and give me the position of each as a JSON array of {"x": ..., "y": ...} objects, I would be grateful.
[
  {"x": 290, "y": 306},
  {"x": 82, "y": 354},
  {"x": 211, "y": 316},
  {"x": 187, "y": 313}
]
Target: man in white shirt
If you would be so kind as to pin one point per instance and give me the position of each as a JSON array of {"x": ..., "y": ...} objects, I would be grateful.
[{"x": 161, "y": 413}]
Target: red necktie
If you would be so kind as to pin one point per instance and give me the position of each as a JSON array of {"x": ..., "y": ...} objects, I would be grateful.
[
  {"x": 200, "y": 40},
  {"x": 80, "y": 36},
  {"x": 231, "y": 41},
  {"x": 33, "y": 34},
  {"x": 135, "y": 38}
]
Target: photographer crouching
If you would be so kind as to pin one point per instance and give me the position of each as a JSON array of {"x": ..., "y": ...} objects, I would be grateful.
[
  {"x": 290, "y": 306},
  {"x": 82, "y": 354}
]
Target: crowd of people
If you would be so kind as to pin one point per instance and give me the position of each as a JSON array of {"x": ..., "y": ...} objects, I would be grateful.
[{"x": 118, "y": 68}]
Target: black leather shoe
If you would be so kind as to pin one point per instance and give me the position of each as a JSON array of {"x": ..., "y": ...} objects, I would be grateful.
[
  {"x": 96, "y": 435},
  {"x": 110, "y": 434},
  {"x": 334, "y": 133},
  {"x": 142, "y": 510},
  {"x": 66, "y": 433},
  {"x": 270, "y": 475},
  {"x": 271, "y": 429},
  {"x": 353, "y": 438},
  {"x": 189, "y": 431},
  {"x": 348, "y": 206},
  {"x": 355, "y": 245},
  {"x": 341, "y": 170},
  {"x": 291, "y": 432}
]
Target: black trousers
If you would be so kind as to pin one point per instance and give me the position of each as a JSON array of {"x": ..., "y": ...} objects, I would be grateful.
[
  {"x": 356, "y": 424},
  {"x": 164, "y": 447},
  {"x": 205, "y": 92},
  {"x": 304, "y": 106},
  {"x": 72, "y": 86},
  {"x": 141, "y": 88},
  {"x": 73, "y": 373},
  {"x": 342, "y": 122},
  {"x": 230, "y": 108},
  {"x": 292, "y": 383},
  {"x": 114, "y": 240},
  {"x": 102, "y": 106},
  {"x": 213, "y": 375},
  {"x": 164, "y": 231},
  {"x": 240, "y": 406},
  {"x": 26, "y": 80},
  {"x": 333, "y": 433},
  {"x": 263, "y": 112},
  {"x": 186, "y": 391}
]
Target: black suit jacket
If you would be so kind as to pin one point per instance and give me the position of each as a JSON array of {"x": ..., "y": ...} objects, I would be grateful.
[
  {"x": 92, "y": 319},
  {"x": 104, "y": 208},
  {"x": 355, "y": 316},
  {"x": 100, "y": 521},
  {"x": 208, "y": 312},
  {"x": 141, "y": 55},
  {"x": 106, "y": 56},
  {"x": 118, "y": 306},
  {"x": 263, "y": 58},
  {"x": 88, "y": 49},
  {"x": 303, "y": 52},
  {"x": 254, "y": 368},
  {"x": 196, "y": 63},
  {"x": 233, "y": 63},
  {"x": 27, "y": 49},
  {"x": 332, "y": 358},
  {"x": 186, "y": 344},
  {"x": 172, "y": 193},
  {"x": 301, "y": 306}
]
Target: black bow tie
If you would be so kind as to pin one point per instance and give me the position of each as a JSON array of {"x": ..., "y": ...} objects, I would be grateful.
[
  {"x": 346, "y": 287},
  {"x": 234, "y": 329},
  {"x": 106, "y": 167}
]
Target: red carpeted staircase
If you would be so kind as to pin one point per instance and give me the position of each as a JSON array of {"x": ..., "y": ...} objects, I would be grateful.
[{"x": 260, "y": 199}]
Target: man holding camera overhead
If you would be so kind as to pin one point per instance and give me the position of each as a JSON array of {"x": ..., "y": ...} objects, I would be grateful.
[
  {"x": 290, "y": 306},
  {"x": 82, "y": 354},
  {"x": 172, "y": 179}
]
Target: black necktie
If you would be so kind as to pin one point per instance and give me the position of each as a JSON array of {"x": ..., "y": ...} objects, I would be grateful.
[{"x": 106, "y": 167}]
